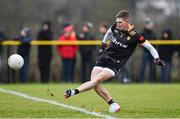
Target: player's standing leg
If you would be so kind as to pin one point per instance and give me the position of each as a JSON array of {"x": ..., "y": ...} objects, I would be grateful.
[
  {"x": 103, "y": 93},
  {"x": 99, "y": 89}
]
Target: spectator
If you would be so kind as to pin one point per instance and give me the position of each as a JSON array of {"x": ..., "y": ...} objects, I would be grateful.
[
  {"x": 45, "y": 52},
  {"x": 103, "y": 27},
  {"x": 86, "y": 52},
  {"x": 177, "y": 48},
  {"x": 102, "y": 30},
  {"x": 166, "y": 53},
  {"x": 2, "y": 37},
  {"x": 67, "y": 53},
  {"x": 24, "y": 51},
  {"x": 149, "y": 34}
]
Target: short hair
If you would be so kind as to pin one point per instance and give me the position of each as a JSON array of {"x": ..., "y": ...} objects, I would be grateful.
[
  {"x": 123, "y": 14},
  {"x": 105, "y": 25},
  {"x": 48, "y": 23}
]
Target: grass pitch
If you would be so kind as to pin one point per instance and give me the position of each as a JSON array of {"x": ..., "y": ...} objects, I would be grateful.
[{"x": 136, "y": 100}]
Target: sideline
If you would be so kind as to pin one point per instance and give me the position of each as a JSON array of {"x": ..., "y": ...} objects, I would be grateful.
[{"x": 54, "y": 103}]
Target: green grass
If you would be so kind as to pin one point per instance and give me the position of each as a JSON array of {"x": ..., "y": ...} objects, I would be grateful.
[{"x": 136, "y": 100}]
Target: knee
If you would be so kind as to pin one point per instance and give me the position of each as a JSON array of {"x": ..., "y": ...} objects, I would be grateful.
[
  {"x": 97, "y": 80},
  {"x": 96, "y": 88}
]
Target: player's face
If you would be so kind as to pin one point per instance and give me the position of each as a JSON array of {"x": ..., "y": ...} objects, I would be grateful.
[{"x": 122, "y": 23}]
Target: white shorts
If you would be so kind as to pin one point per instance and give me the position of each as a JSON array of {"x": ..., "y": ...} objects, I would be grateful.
[{"x": 107, "y": 69}]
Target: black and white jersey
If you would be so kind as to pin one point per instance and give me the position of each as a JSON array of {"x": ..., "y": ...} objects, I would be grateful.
[{"x": 122, "y": 44}]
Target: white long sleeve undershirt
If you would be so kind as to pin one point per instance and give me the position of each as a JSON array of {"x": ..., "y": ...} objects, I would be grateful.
[
  {"x": 151, "y": 49},
  {"x": 107, "y": 36}
]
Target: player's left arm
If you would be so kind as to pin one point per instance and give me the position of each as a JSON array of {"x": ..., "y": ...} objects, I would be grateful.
[
  {"x": 147, "y": 45},
  {"x": 154, "y": 53}
]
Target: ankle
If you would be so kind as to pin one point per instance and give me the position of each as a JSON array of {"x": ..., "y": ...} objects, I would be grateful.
[
  {"x": 76, "y": 91},
  {"x": 110, "y": 102}
]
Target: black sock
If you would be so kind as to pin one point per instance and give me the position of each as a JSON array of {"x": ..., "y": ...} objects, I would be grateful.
[
  {"x": 110, "y": 102},
  {"x": 76, "y": 91}
]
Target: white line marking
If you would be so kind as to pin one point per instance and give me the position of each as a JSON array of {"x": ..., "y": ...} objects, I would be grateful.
[{"x": 54, "y": 103}]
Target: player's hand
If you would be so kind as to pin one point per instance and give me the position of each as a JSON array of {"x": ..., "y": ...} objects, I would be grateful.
[
  {"x": 102, "y": 48},
  {"x": 160, "y": 62}
]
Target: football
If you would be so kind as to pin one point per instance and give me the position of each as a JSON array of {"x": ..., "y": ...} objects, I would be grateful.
[{"x": 15, "y": 61}]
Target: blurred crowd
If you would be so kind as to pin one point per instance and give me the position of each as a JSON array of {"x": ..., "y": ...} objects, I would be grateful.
[{"x": 69, "y": 55}]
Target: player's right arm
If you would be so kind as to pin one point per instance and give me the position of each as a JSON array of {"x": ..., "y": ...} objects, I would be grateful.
[{"x": 107, "y": 37}]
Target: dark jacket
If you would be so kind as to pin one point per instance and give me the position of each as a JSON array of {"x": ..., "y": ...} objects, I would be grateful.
[
  {"x": 2, "y": 37},
  {"x": 45, "y": 51},
  {"x": 166, "y": 51},
  {"x": 24, "y": 48},
  {"x": 177, "y": 48},
  {"x": 149, "y": 34},
  {"x": 86, "y": 49}
]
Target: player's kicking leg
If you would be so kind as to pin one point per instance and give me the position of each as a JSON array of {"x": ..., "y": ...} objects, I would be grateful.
[
  {"x": 97, "y": 79},
  {"x": 100, "y": 74}
]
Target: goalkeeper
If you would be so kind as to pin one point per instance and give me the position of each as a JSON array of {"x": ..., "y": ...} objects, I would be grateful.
[{"x": 123, "y": 41}]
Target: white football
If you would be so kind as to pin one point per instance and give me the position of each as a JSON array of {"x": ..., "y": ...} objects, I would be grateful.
[{"x": 15, "y": 61}]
